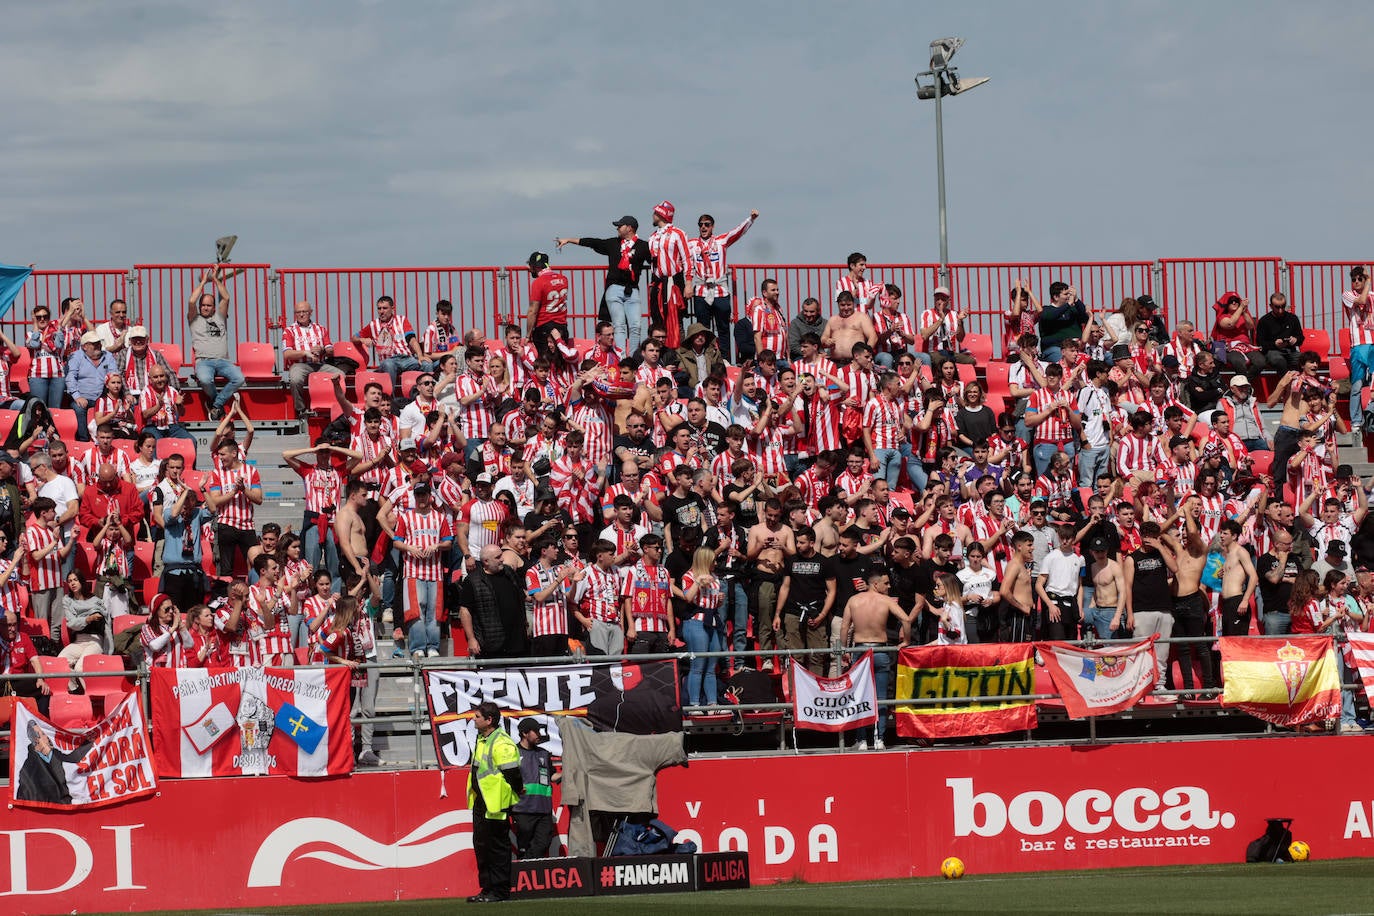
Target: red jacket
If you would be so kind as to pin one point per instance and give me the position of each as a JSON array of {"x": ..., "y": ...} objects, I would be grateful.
[{"x": 95, "y": 505}]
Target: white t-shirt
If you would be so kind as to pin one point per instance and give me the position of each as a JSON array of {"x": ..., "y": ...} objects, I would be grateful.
[
  {"x": 523, "y": 493},
  {"x": 61, "y": 491},
  {"x": 976, "y": 583},
  {"x": 145, "y": 475},
  {"x": 1061, "y": 572},
  {"x": 952, "y": 632},
  {"x": 1094, "y": 404}
]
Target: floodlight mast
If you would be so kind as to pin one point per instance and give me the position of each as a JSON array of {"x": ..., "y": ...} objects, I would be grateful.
[{"x": 944, "y": 80}]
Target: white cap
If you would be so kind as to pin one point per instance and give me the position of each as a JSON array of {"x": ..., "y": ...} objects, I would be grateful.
[
  {"x": 941, "y": 291},
  {"x": 90, "y": 337},
  {"x": 137, "y": 330}
]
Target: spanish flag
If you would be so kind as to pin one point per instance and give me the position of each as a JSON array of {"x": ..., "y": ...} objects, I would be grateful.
[
  {"x": 973, "y": 685},
  {"x": 1290, "y": 681}
]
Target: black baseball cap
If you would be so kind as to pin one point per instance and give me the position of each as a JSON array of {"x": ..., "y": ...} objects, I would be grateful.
[
  {"x": 531, "y": 724},
  {"x": 627, "y": 220}
]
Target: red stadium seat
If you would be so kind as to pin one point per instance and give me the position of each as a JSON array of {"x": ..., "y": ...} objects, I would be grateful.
[
  {"x": 65, "y": 421},
  {"x": 258, "y": 361},
  {"x": 1319, "y": 342},
  {"x": 183, "y": 447},
  {"x": 408, "y": 382},
  {"x": 171, "y": 353},
  {"x": 7, "y": 705},
  {"x": 150, "y": 588},
  {"x": 1340, "y": 369},
  {"x": 967, "y": 373},
  {"x": 302, "y": 654},
  {"x": 321, "y": 394},
  {"x": 86, "y": 559},
  {"x": 354, "y": 352},
  {"x": 143, "y": 559},
  {"x": 1343, "y": 340},
  {"x": 19, "y": 372},
  {"x": 51, "y": 664},
  {"x": 980, "y": 345},
  {"x": 72, "y": 713},
  {"x": 32, "y": 626},
  {"x": 128, "y": 622},
  {"x": 105, "y": 686},
  {"x": 195, "y": 480},
  {"x": 7, "y": 420},
  {"x": 1261, "y": 462},
  {"x": 362, "y": 379}
]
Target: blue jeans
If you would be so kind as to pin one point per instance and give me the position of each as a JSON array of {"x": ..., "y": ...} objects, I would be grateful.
[
  {"x": 627, "y": 315},
  {"x": 83, "y": 432},
  {"x": 914, "y": 469},
  {"x": 206, "y": 370},
  {"x": 1044, "y": 451},
  {"x": 1100, "y": 619},
  {"x": 395, "y": 365},
  {"x": 1361, "y": 364},
  {"x": 1277, "y": 623},
  {"x": 471, "y": 449},
  {"x": 736, "y": 611},
  {"x": 701, "y": 675},
  {"x": 1257, "y": 445},
  {"x": 1091, "y": 463},
  {"x": 1347, "y": 696},
  {"x": 313, "y": 552},
  {"x": 882, "y": 678},
  {"x": 889, "y": 465},
  {"x": 424, "y": 633},
  {"x": 48, "y": 390},
  {"x": 1051, "y": 353}
]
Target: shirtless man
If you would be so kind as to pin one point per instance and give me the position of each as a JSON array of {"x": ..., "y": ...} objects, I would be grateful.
[
  {"x": 350, "y": 534},
  {"x": 1190, "y": 605},
  {"x": 864, "y": 626},
  {"x": 1238, "y": 581},
  {"x": 847, "y": 328},
  {"x": 1105, "y": 573},
  {"x": 1018, "y": 589},
  {"x": 769, "y": 545},
  {"x": 833, "y": 515},
  {"x": 1292, "y": 389},
  {"x": 642, "y": 401}
]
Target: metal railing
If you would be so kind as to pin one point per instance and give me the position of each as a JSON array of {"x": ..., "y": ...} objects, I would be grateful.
[{"x": 414, "y": 724}]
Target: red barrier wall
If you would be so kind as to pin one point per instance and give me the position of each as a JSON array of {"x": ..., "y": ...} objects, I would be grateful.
[{"x": 862, "y": 816}]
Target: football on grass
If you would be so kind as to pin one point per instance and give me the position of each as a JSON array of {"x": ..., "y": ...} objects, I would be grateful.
[
  {"x": 953, "y": 867},
  {"x": 1298, "y": 851}
]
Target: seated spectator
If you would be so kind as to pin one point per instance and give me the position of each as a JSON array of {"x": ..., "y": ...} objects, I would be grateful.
[
  {"x": 1203, "y": 386},
  {"x": 159, "y": 409},
  {"x": 115, "y": 333},
  {"x": 116, "y": 408},
  {"x": 306, "y": 348},
  {"x": 86, "y": 374},
  {"x": 20, "y": 657},
  {"x": 1148, "y": 312},
  {"x": 1119, "y": 324},
  {"x": 1235, "y": 328},
  {"x": 395, "y": 347},
  {"x": 698, "y": 358},
  {"x": 208, "y": 317},
  {"x": 1279, "y": 335},
  {"x": 88, "y": 622}
]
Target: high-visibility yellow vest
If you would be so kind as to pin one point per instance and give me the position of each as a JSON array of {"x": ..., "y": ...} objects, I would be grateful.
[{"x": 493, "y": 755}]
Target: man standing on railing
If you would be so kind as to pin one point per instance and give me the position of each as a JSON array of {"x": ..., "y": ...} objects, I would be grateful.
[
  {"x": 668, "y": 244},
  {"x": 627, "y": 257},
  {"x": 395, "y": 348},
  {"x": 1358, "y": 302},
  {"x": 548, "y": 303},
  {"x": 208, "y": 317},
  {"x": 711, "y": 290}
]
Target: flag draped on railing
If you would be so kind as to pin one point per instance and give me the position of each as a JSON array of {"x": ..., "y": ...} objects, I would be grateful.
[
  {"x": 835, "y": 704},
  {"x": 1286, "y": 682},
  {"x": 1098, "y": 682},
  {"x": 979, "y": 681}
]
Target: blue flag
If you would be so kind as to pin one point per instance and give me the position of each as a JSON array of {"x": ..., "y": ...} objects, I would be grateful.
[
  {"x": 11, "y": 280},
  {"x": 299, "y": 727}
]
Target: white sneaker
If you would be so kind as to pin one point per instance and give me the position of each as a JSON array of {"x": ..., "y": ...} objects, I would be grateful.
[
  {"x": 418, "y": 654},
  {"x": 860, "y": 745},
  {"x": 879, "y": 744},
  {"x": 433, "y": 653}
]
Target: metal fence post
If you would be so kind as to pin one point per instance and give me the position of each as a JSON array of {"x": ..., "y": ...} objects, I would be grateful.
[
  {"x": 1157, "y": 286},
  {"x": 503, "y": 305},
  {"x": 275, "y": 329},
  {"x": 1286, "y": 283},
  {"x": 131, "y": 294}
]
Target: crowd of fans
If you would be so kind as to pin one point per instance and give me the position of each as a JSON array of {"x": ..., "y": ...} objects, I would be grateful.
[{"x": 813, "y": 483}]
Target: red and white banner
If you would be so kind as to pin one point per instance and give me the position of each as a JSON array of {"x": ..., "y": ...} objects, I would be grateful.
[
  {"x": 51, "y": 767},
  {"x": 251, "y": 722},
  {"x": 1098, "y": 682},
  {"x": 1361, "y": 652},
  {"x": 388, "y": 836},
  {"x": 835, "y": 704}
]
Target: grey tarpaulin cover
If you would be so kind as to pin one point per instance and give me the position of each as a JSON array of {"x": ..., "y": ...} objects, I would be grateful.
[{"x": 613, "y": 772}]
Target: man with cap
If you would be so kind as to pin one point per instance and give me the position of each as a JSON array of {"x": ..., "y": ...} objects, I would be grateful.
[
  {"x": 86, "y": 374},
  {"x": 1064, "y": 316},
  {"x": 533, "y": 814},
  {"x": 138, "y": 360},
  {"x": 1358, "y": 303},
  {"x": 710, "y": 275},
  {"x": 627, "y": 256},
  {"x": 480, "y": 520},
  {"x": 548, "y": 309},
  {"x": 1335, "y": 558},
  {"x": 672, "y": 264},
  {"x": 1240, "y": 405}
]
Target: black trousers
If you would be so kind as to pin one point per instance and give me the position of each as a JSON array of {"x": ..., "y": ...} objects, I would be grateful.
[
  {"x": 1190, "y": 619},
  {"x": 184, "y": 587},
  {"x": 533, "y": 834},
  {"x": 227, "y": 541},
  {"x": 1285, "y": 447},
  {"x": 491, "y": 847},
  {"x": 654, "y": 643}
]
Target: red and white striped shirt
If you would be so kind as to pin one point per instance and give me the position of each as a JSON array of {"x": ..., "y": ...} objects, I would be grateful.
[
  {"x": 708, "y": 255},
  {"x": 1055, "y": 428},
  {"x": 887, "y": 324},
  {"x": 601, "y": 589},
  {"x": 649, "y": 591},
  {"x": 55, "y": 344},
  {"x": 238, "y": 511},
  {"x": 121, "y": 408},
  {"x": 162, "y": 649},
  {"x": 243, "y": 649},
  {"x": 389, "y": 338},
  {"x": 825, "y": 419},
  {"x": 853, "y": 483},
  {"x": 46, "y": 573},
  {"x": 271, "y": 605},
  {"x": 709, "y": 597},
  {"x": 424, "y": 530},
  {"x": 323, "y": 483},
  {"x": 668, "y": 245},
  {"x": 623, "y": 538},
  {"x": 1185, "y": 354},
  {"x": 484, "y": 523},
  {"x": 596, "y": 419},
  {"x": 945, "y": 336},
  {"x": 576, "y": 485},
  {"x": 863, "y": 384},
  {"x": 648, "y": 375},
  {"x": 438, "y": 339},
  {"x": 304, "y": 337},
  {"x": 813, "y": 488},
  {"x": 137, "y": 369},
  {"x": 1134, "y": 453},
  {"x": 90, "y": 463},
  {"x": 475, "y": 419},
  {"x": 770, "y": 324},
  {"x": 159, "y": 410},
  {"x": 866, "y": 292},
  {"x": 883, "y": 419},
  {"x": 1211, "y": 516},
  {"x": 1361, "y": 316},
  {"x": 370, "y": 448},
  {"x": 550, "y": 616}
]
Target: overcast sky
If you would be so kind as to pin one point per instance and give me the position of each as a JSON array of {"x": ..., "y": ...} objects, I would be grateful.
[{"x": 426, "y": 133}]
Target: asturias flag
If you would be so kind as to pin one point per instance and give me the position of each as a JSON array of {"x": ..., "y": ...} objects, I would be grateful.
[{"x": 1288, "y": 682}]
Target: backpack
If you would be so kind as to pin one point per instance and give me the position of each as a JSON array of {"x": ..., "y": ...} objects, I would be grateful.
[
  {"x": 650, "y": 838},
  {"x": 1273, "y": 845}
]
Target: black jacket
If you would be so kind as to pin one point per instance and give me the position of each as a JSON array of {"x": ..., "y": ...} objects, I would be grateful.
[
  {"x": 1203, "y": 391},
  {"x": 1275, "y": 325},
  {"x": 640, "y": 260}
]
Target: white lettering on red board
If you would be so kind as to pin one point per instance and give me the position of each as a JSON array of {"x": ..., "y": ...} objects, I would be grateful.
[{"x": 83, "y": 860}]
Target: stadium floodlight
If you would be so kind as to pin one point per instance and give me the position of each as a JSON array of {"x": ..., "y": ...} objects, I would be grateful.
[
  {"x": 944, "y": 80},
  {"x": 223, "y": 246}
]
